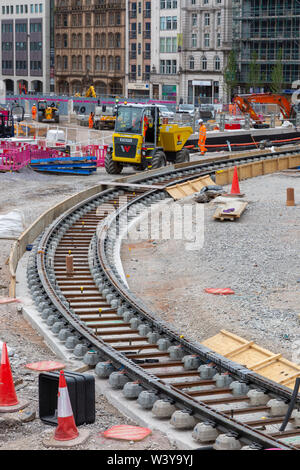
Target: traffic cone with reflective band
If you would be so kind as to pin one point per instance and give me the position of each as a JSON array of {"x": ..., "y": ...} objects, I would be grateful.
[
  {"x": 235, "y": 188},
  {"x": 8, "y": 395},
  {"x": 66, "y": 429}
]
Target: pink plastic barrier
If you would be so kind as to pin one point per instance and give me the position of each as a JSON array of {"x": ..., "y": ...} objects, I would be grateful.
[
  {"x": 14, "y": 159},
  {"x": 16, "y": 155},
  {"x": 98, "y": 151}
]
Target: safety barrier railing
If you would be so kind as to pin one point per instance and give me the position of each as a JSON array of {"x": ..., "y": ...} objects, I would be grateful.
[
  {"x": 16, "y": 155},
  {"x": 14, "y": 159}
]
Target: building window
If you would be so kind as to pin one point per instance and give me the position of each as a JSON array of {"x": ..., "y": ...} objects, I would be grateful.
[
  {"x": 206, "y": 40},
  {"x": 194, "y": 40},
  {"x": 194, "y": 19},
  {"x": 118, "y": 63},
  {"x": 118, "y": 40},
  {"x": 74, "y": 62},
  {"x": 111, "y": 40},
  {"x": 65, "y": 62},
  {"x": 191, "y": 63},
  {"x": 88, "y": 41},
  {"x": 206, "y": 19},
  {"x": 88, "y": 62},
  {"x": 204, "y": 63},
  {"x": 74, "y": 41},
  {"x": 217, "y": 63}
]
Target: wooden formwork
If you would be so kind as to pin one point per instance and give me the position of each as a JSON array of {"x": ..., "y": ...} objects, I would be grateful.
[
  {"x": 260, "y": 360},
  {"x": 189, "y": 188},
  {"x": 258, "y": 168}
]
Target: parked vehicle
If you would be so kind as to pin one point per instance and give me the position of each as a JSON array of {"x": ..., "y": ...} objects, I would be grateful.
[
  {"x": 165, "y": 112},
  {"x": 186, "y": 109}
]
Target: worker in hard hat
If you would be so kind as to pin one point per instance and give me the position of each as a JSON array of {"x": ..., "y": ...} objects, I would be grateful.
[
  {"x": 33, "y": 112},
  {"x": 48, "y": 113},
  {"x": 202, "y": 137}
]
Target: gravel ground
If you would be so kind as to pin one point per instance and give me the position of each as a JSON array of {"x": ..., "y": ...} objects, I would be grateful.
[{"x": 256, "y": 256}]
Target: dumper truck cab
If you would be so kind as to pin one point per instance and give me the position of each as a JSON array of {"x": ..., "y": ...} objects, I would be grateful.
[
  {"x": 144, "y": 140},
  {"x": 47, "y": 112}
]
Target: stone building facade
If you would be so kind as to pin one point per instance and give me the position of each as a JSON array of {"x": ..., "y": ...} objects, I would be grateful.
[{"x": 90, "y": 46}]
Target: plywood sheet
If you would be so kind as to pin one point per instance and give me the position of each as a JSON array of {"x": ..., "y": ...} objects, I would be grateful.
[
  {"x": 178, "y": 191},
  {"x": 266, "y": 363}
]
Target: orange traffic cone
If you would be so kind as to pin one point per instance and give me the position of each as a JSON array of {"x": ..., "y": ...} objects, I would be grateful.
[
  {"x": 235, "y": 188},
  {"x": 66, "y": 429},
  {"x": 8, "y": 395}
]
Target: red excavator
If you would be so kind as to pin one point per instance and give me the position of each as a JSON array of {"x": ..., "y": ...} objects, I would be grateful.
[{"x": 244, "y": 103}]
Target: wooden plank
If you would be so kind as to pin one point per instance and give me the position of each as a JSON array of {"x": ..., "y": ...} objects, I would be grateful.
[
  {"x": 239, "y": 350},
  {"x": 238, "y": 206},
  {"x": 254, "y": 357}
]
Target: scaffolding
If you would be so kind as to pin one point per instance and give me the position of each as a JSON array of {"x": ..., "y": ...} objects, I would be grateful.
[{"x": 264, "y": 29}]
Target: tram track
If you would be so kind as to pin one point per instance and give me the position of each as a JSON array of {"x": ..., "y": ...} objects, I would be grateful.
[{"x": 95, "y": 314}]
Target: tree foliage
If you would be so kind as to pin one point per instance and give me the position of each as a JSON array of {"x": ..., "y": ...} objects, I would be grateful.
[
  {"x": 277, "y": 74},
  {"x": 231, "y": 74}
]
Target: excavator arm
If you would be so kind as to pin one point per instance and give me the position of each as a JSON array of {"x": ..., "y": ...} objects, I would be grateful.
[
  {"x": 244, "y": 103},
  {"x": 91, "y": 92}
]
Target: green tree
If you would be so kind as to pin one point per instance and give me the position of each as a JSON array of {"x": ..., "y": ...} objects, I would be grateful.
[
  {"x": 231, "y": 75},
  {"x": 277, "y": 74},
  {"x": 254, "y": 77}
]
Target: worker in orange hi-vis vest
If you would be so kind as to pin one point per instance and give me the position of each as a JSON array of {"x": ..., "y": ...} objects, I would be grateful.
[
  {"x": 202, "y": 137},
  {"x": 91, "y": 121},
  {"x": 33, "y": 112},
  {"x": 146, "y": 125}
]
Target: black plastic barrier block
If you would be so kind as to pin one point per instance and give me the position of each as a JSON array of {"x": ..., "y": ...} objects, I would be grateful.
[{"x": 81, "y": 390}]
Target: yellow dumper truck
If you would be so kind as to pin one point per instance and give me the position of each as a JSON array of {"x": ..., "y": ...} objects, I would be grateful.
[{"x": 142, "y": 140}]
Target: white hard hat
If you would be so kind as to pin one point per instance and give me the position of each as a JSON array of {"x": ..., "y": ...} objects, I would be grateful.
[{"x": 200, "y": 120}]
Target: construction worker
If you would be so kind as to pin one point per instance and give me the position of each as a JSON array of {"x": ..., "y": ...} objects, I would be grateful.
[
  {"x": 91, "y": 121},
  {"x": 33, "y": 112},
  {"x": 146, "y": 125},
  {"x": 48, "y": 113},
  {"x": 202, "y": 137}
]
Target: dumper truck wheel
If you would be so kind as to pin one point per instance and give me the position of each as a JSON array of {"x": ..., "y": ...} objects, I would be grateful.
[
  {"x": 112, "y": 167},
  {"x": 158, "y": 159},
  {"x": 182, "y": 156}
]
